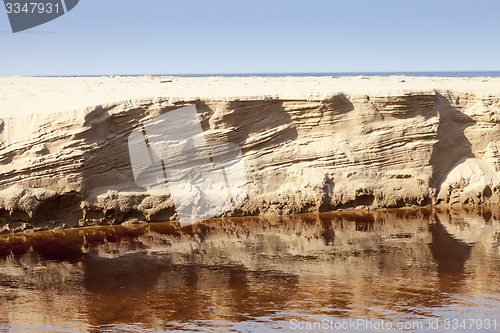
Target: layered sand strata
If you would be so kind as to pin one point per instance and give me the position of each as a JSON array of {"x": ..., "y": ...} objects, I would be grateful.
[{"x": 308, "y": 144}]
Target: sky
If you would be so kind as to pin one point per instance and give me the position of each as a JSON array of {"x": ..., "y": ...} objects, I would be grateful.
[{"x": 113, "y": 37}]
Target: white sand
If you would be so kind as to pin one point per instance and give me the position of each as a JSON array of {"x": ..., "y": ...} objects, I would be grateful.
[{"x": 23, "y": 95}]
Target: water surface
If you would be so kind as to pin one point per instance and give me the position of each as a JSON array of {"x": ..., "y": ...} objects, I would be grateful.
[{"x": 412, "y": 267}]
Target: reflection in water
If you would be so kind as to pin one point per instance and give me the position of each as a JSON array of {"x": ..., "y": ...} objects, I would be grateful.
[{"x": 251, "y": 274}]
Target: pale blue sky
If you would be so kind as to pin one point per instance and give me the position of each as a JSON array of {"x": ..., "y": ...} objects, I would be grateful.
[{"x": 233, "y": 36}]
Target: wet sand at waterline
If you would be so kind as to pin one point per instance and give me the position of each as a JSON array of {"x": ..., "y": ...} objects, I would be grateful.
[{"x": 411, "y": 266}]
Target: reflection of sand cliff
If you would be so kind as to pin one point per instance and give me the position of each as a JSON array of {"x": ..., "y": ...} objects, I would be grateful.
[{"x": 400, "y": 264}]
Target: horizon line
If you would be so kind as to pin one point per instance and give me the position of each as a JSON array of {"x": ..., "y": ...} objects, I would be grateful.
[{"x": 265, "y": 73}]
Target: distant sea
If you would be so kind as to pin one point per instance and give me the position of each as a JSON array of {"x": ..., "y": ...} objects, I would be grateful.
[
  {"x": 433, "y": 74},
  {"x": 337, "y": 74}
]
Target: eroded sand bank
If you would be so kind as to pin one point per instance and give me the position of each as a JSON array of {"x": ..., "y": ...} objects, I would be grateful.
[{"x": 308, "y": 144}]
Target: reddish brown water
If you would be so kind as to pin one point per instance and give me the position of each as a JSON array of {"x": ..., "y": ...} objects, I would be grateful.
[{"x": 417, "y": 268}]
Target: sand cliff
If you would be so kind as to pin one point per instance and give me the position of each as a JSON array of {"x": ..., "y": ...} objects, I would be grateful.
[{"x": 308, "y": 144}]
